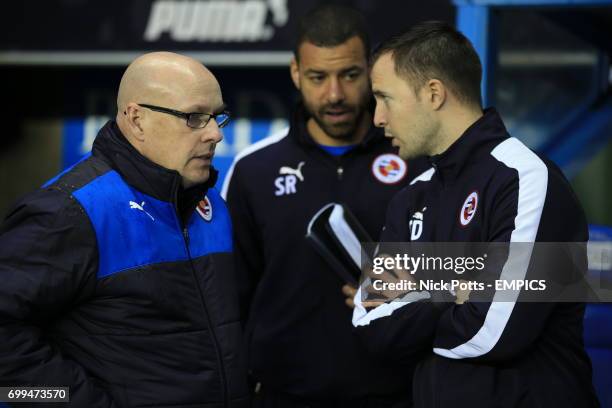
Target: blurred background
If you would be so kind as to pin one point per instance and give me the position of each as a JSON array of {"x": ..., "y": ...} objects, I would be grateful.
[{"x": 546, "y": 63}]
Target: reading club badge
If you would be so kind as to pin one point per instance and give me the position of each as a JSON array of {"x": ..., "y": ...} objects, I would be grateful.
[
  {"x": 468, "y": 210},
  {"x": 204, "y": 208},
  {"x": 389, "y": 168}
]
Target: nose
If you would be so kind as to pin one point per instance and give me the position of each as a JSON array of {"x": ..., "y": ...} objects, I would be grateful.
[
  {"x": 335, "y": 92},
  {"x": 212, "y": 132},
  {"x": 379, "y": 117}
]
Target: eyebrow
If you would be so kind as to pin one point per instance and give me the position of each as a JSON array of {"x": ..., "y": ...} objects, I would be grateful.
[
  {"x": 203, "y": 109},
  {"x": 315, "y": 71},
  {"x": 352, "y": 68},
  {"x": 310, "y": 71},
  {"x": 379, "y": 93}
]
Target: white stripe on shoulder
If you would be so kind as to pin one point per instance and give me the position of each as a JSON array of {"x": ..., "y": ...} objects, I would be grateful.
[
  {"x": 425, "y": 176},
  {"x": 267, "y": 141},
  {"x": 533, "y": 184}
]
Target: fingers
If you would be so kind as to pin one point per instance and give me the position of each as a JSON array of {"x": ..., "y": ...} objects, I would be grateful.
[
  {"x": 370, "y": 304},
  {"x": 349, "y": 302},
  {"x": 349, "y": 290},
  {"x": 462, "y": 295}
]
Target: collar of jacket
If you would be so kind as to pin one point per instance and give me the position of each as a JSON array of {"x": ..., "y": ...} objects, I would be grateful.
[
  {"x": 146, "y": 176},
  {"x": 298, "y": 121},
  {"x": 487, "y": 129}
]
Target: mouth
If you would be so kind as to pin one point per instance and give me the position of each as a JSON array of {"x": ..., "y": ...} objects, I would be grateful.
[
  {"x": 205, "y": 158},
  {"x": 338, "y": 114}
]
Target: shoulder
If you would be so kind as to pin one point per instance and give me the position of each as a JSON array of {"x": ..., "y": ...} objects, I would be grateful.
[
  {"x": 539, "y": 191},
  {"x": 82, "y": 182},
  {"x": 45, "y": 215},
  {"x": 44, "y": 202},
  {"x": 85, "y": 193},
  {"x": 56, "y": 197},
  {"x": 261, "y": 153},
  {"x": 79, "y": 175},
  {"x": 266, "y": 147},
  {"x": 513, "y": 154},
  {"x": 520, "y": 167}
]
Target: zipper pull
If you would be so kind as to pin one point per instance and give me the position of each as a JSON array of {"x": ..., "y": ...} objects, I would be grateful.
[
  {"x": 340, "y": 172},
  {"x": 186, "y": 235}
]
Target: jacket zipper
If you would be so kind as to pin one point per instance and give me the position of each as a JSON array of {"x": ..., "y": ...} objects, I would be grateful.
[{"x": 208, "y": 319}]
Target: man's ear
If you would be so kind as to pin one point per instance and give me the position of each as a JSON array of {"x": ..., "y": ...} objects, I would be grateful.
[
  {"x": 436, "y": 93},
  {"x": 133, "y": 118},
  {"x": 295, "y": 72}
]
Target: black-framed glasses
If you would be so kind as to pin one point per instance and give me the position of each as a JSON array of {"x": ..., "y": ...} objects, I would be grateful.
[{"x": 195, "y": 120}]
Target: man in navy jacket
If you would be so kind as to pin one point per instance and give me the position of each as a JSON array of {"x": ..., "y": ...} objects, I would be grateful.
[
  {"x": 117, "y": 274},
  {"x": 483, "y": 186},
  {"x": 302, "y": 350}
]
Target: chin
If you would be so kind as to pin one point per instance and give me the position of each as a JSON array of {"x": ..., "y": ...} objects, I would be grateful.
[
  {"x": 342, "y": 132},
  {"x": 407, "y": 155},
  {"x": 193, "y": 181}
]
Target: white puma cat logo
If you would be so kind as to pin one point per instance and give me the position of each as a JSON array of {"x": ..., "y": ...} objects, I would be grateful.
[
  {"x": 296, "y": 172},
  {"x": 287, "y": 182},
  {"x": 135, "y": 206}
]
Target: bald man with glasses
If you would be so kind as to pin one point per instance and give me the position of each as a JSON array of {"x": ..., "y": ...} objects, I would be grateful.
[{"x": 117, "y": 274}]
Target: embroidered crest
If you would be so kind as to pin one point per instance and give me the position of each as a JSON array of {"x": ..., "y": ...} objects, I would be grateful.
[
  {"x": 389, "y": 168},
  {"x": 468, "y": 210},
  {"x": 205, "y": 209}
]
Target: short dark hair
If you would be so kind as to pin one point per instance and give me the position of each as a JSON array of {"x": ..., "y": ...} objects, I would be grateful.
[
  {"x": 331, "y": 25},
  {"x": 435, "y": 49}
]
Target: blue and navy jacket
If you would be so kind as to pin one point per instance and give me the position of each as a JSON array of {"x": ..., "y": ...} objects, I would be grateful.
[{"x": 118, "y": 283}]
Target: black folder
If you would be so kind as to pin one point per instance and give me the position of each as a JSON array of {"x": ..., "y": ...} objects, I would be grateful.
[{"x": 336, "y": 234}]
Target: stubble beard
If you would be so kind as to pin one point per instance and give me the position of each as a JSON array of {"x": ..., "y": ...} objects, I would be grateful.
[{"x": 339, "y": 131}]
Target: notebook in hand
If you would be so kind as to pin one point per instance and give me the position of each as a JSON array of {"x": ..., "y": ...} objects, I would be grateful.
[{"x": 337, "y": 236}]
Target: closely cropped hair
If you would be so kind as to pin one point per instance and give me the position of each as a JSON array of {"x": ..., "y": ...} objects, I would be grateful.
[
  {"x": 331, "y": 25},
  {"x": 436, "y": 50}
]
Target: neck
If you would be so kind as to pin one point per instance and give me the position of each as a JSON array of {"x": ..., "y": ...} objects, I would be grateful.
[
  {"x": 324, "y": 139},
  {"x": 454, "y": 126}
]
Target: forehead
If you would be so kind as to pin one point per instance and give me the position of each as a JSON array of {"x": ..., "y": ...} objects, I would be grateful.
[
  {"x": 383, "y": 69},
  {"x": 384, "y": 77},
  {"x": 202, "y": 95},
  {"x": 349, "y": 53}
]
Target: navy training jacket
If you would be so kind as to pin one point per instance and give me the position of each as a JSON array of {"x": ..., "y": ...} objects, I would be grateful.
[
  {"x": 487, "y": 187},
  {"x": 119, "y": 284},
  {"x": 299, "y": 333}
]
